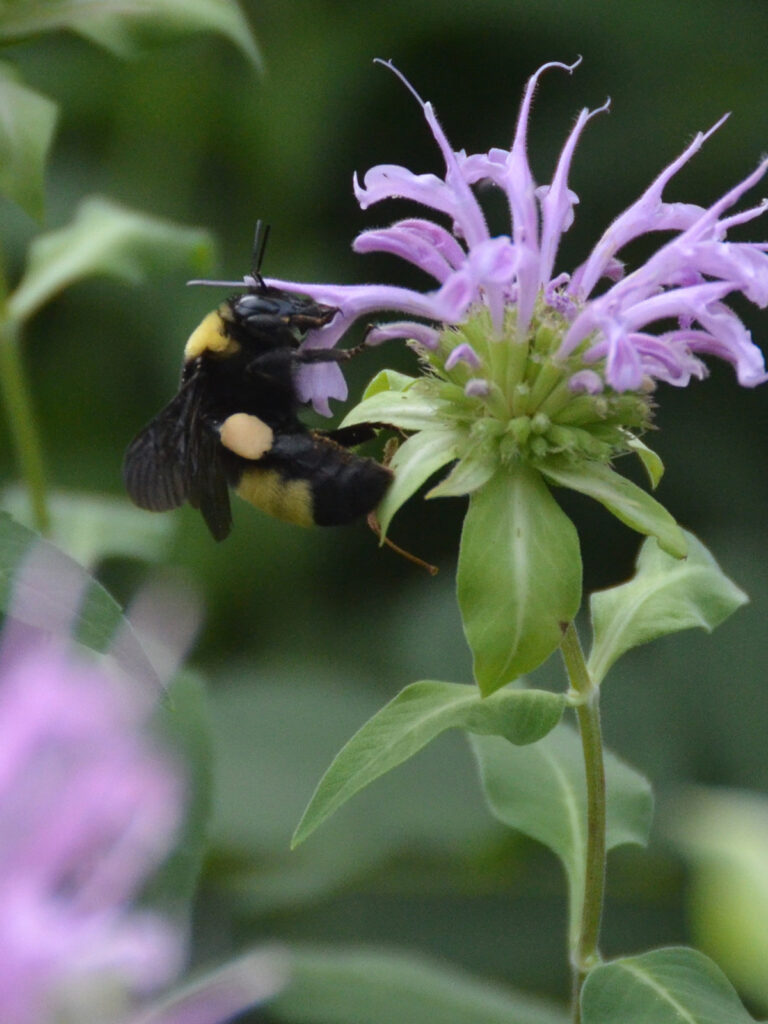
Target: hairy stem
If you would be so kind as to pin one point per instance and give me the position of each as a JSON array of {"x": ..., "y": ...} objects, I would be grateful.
[
  {"x": 584, "y": 951},
  {"x": 26, "y": 440}
]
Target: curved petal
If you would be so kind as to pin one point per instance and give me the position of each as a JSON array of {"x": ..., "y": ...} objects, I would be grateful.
[
  {"x": 557, "y": 200},
  {"x": 648, "y": 213}
]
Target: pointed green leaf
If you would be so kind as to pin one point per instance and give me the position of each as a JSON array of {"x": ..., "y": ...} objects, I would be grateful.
[
  {"x": 664, "y": 596},
  {"x": 408, "y": 410},
  {"x": 128, "y": 28},
  {"x": 413, "y": 463},
  {"x": 519, "y": 575},
  {"x": 469, "y": 474},
  {"x": 58, "y": 595},
  {"x": 27, "y": 122},
  {"x": 666, "y": 986},
  {"x": 540, "y": 791},
  {"x": 388, "y": 380},
  {"x": 376, "y": 987},
  {"x": 418, "y": 714},
  {"x": 652, "y": 463},
  {"x": 628, "y": 502},
  {"x": 105, "y": 238}
]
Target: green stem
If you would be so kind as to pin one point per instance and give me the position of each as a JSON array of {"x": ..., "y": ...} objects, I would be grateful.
[
  {"x": 26, "y": 439},
  {"x": 584, "y": 950}
]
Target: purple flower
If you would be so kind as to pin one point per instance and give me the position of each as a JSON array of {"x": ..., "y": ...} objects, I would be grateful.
[
  {"x": 90, "y": 805},
  {"x": 88, "y": 808},
  {"x": 611, "y": 324}
]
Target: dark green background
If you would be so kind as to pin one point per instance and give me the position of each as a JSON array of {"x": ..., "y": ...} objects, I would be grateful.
[{"x": 306, "y": 633}]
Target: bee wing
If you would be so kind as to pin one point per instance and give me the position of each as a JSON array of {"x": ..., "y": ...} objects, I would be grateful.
[
  {"x": 177, "y": 458},
  {"x": 207, "y": 481}
]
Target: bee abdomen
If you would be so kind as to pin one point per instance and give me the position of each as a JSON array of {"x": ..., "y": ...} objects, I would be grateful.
[
  {"x": 308, "y": 479},
  {"x": 347, "y": 487}
]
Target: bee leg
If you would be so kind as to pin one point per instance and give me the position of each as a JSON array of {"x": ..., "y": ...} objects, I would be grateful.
[
  {"x": 350, "y": 437},
  {"x": 328, "y": 355},
  {"x": 274, "y": 368}
]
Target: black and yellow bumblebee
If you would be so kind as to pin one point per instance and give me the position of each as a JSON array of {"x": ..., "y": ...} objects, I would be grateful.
[{"x": 235, "y": 422}]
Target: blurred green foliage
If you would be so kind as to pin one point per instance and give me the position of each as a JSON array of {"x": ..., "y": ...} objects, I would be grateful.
[{"x": 299, "y": 658}]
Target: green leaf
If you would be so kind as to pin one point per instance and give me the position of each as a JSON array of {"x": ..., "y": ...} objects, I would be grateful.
[
  {"x": 48, "y": 590},
  {"x": 414, "y": 462},
  {"x": 652, "y": 463},
  {"x": 665, "y": 595},
  {"x": 377, "y": 987},
  {"x": 128, "y": 27},
  {"x": 418, "y": 714},
  {"x": 408, "y": 410},
  {"x": 666, "y": 986},
  {"x": 105, "y": 238},
  {"x": 519, "y": 575},
  {"x": 628, "y": 502},
  {"x": 429, "y": 807},
  {"x": 540, "y": 791},
  {"x": 89, "y": 527},
  {"x": 388, "y": 380},
  {"x": 182, "y": 721},
  {"x": 27, "y": 122},
  {"x": 468, "y": 475}
]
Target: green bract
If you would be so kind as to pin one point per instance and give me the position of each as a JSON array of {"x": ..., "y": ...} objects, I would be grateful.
[
  {"x": 497, "y": 401},
  {"x": 512, "y": 417}
]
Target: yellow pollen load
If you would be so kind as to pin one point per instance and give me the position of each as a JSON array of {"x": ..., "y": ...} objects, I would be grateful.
[
  {"x": 289, "y": 500},
  {"x": 209, "y": 336},
  {"x": 246, "y": 435}
]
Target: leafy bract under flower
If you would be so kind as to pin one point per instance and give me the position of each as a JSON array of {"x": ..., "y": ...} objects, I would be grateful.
[{"x": 618, "y": 323}]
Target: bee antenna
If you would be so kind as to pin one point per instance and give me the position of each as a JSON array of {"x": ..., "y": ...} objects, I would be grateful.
[{"x": 259, "y": 245}]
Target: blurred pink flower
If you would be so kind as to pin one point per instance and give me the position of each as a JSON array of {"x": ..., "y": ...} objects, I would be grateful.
[{"x": 88, "y": 808}]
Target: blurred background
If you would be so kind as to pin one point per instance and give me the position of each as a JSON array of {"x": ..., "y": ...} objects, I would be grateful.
[{"x": 307, "y": 633}]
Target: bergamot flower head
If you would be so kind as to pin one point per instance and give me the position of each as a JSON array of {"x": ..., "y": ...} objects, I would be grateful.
[
  {"x": 513, "y": 281},
  {"x": 527, "y": 361}
]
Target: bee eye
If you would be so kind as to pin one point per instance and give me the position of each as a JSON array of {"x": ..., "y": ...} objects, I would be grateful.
[{"x": 256, "y": 305}]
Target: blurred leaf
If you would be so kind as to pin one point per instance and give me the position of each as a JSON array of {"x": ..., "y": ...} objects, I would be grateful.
[
  {"x": 540, "y": 791},
  {"x": 413, "y": 463},
  {"x": 127, "y": 26},
  {"x": 652, "y": 463},
  {"x": 724, "y": 836},
  {"x": 219, "y": 995},
  {"x": 665, "y": 986},
  {"x": 46, "y": 589},
  {"x": 89, "y": 527},
  {"x": 519, "y": 575},
  {"x": 378, "y": 987},
  {"x": 623, "y": 499},
  {"x": 418, "y": 714},
  {"x": 183, "y": 722},
  {"x": 105, "y": 238},
  {"x": 27, "y": 122},
  {"x": 664, "y": 596}
]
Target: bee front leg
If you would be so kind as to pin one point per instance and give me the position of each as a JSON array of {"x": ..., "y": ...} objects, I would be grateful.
[{"x": 328, "y": 355}]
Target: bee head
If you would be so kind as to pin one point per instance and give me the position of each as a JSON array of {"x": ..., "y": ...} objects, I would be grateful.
[{"x": 264, "y": 310}]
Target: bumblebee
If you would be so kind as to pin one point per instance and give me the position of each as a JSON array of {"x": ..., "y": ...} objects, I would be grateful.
[{"x": 235, "y": 423}]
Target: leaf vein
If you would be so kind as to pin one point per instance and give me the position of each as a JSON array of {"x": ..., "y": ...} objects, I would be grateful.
[{"x": 662, "y": 992}]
